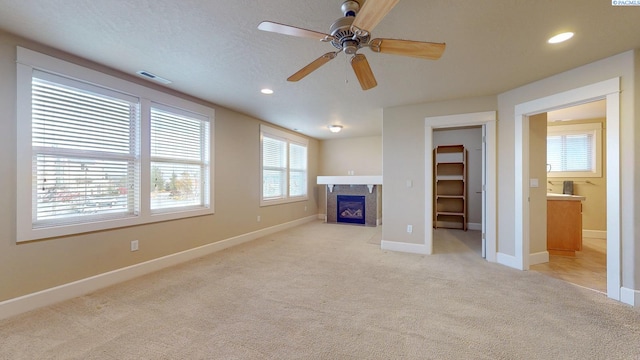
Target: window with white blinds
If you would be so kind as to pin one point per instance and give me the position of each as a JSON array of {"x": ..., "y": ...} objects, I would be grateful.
[
  {"x": 574, "y": 150},
  {"x": 274, "y": 167},
  {"x": 297, "y": 170},
  {"x": 85, "y": 146},
  {"x": 283, "y": 165},
  {"x": 96, "y": 152},
  {"x": 179, "y": 159}
]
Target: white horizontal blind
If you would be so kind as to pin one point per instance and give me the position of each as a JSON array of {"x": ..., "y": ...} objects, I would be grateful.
[
  {"x": 283, "y": 165},
  {"x": 571, "y": 152},
  {"x": 274, "y": 167},
  {"x": 297, "y": 170},
  {"x": 179, "y": 159},
  {"x": 85, "y": 146},
  {"x": 84, "y": 151}
]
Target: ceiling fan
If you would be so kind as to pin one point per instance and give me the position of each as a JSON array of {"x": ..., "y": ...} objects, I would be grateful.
[{"x": 353, "y": 32}]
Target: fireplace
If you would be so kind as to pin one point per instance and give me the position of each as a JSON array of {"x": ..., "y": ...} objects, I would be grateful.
[
  {"x": 351, "y": 209},
  {"x": 353, "y": 188}
]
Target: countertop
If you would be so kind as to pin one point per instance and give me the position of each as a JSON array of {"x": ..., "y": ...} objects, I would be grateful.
[{"x": 566, "y": 197}]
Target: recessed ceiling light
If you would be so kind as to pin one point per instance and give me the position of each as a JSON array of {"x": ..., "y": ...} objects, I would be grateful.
[
  {"x": 560, "y": 38},
  {"x": 266, "y": 91},
  {"x": 335, "y": 128}
]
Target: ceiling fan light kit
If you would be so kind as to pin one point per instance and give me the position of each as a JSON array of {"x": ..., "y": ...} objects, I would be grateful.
[{"x": 352, "y": 32}]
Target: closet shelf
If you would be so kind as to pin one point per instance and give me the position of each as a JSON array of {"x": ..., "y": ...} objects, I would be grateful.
[{"x": 450, "y": 176}]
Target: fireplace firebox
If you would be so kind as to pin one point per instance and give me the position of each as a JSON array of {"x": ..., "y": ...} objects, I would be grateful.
[{"x": 351, "y": 209}]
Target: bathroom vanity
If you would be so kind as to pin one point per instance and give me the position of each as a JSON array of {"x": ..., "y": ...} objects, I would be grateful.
[{"x": 564, "y": 224}]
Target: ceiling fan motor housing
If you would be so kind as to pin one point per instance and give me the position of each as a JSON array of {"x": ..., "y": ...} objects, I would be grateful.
[{"x": 344, "y": 38}]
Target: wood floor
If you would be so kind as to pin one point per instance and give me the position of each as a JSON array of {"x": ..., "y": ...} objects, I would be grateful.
[{"x": 588, "y": 268}]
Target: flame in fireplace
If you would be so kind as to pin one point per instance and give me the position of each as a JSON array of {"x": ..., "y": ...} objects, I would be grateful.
[{"x": 352, "y": 214}]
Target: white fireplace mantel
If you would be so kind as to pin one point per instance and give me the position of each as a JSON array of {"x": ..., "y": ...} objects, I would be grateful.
[{"x": 369, "y": 180}]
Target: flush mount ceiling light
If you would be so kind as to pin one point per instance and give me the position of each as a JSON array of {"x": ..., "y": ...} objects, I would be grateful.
[
  {"x": 560, "y": 38},
  {"x": 335, "y": 128},
  {"x": 266, "y": 91}
]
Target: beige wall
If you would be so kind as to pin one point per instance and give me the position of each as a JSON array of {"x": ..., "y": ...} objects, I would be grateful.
[
  {"x": 361, "y": 155},
  {"x": 623, "y": 66},
  {"x": 29, "y": 267},
  {"x": 538, "y": 195},
  {"x": 403, "y": 156},
  {"x": 594, "y": 208}
]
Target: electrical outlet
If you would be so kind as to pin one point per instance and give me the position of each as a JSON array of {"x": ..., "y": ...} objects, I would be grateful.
[
  {"x": 409, "y": 229},
  {"x": 134, "y": 245},
  {"x": 305, "y": 208},
  {"x": 258, "y": 218}
]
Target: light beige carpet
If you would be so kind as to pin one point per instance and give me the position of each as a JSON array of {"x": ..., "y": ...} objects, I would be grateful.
[{"x": 323, "y": 291}]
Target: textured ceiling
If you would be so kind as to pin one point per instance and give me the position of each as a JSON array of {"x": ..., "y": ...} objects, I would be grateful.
[{"x": 214, "y": 51}]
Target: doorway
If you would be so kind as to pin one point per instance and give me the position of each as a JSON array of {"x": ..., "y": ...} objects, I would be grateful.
[
  {"x": 608, "y": 90},
  {"x": 487, "y": 121},
  {"x": 467, "y": 140},
  {"x": 566, "y": 156}
]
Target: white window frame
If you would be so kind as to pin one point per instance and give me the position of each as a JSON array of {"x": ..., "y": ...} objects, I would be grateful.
[
  {"x": 576, "y": 129},
  {"x": 27, "y": 62},
  {"x": 289, "y": 139}
]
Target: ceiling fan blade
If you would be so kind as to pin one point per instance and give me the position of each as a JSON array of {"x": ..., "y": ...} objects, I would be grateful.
[
  {"x": 315, "y": 64},
  {"x": 419, "y": 49},
  {"x": 293, "y": 31},
  {"x": 363, "y": 72},
  {"x": 371, "y": 13}
]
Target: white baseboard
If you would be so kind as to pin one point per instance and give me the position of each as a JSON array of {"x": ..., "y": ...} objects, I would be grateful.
[
  {"x": 405, "y": 247},
  {"x": 85, "y": 286},
  {"x": 508, "y": 260},
  {"x": 474, "y": 226},
  {"x": 596, "y": 234},
  {"x": 630, "y": 296},
  {"x": 539, "y": 258}
]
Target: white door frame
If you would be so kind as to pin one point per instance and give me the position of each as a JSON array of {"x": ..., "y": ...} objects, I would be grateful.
[
  {"x": 609, "y": 90},
  {"x": 488, "y": 121}
]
